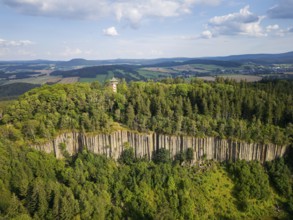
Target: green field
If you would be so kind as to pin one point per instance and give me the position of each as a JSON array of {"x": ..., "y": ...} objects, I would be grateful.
[
  {"x": 33, "y": 80},
  {"x": 152, "y": 74},
  {"x": 101, "y": 78}
]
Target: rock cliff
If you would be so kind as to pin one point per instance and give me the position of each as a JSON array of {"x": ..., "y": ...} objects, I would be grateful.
[{"x": 145, "y": 144}]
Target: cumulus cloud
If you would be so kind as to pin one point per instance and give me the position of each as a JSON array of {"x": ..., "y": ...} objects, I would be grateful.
[
  {"x": 129, "y": 10},
  {"x": 206, "y": 34},
  {"x": 277, "y": 30},
  {"x": 111, "y": 31},
  {"x": 272, "y": 27},
  {"x": 14, "y": 43},
  {"x": 243, "y": 22},
  {"x": 16, "y": 48},
  {"x": 283, "y": 9}
]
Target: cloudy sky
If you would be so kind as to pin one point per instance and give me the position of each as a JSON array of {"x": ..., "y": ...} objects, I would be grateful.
[{"x": 107, "y": 29}]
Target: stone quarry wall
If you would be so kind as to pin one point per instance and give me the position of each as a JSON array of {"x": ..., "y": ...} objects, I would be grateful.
[{"x": 144, "y": 144}]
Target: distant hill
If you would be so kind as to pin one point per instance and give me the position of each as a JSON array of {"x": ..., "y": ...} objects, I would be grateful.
[
  {"x": 259, "y": 58},
  {"x": 122, "y": 71},
  {"x": 256, "y": 58},
  {"x": 198, "y": 61}
]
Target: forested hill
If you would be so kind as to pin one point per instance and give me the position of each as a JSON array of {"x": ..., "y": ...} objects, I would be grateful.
[
  {"x": 35, "y": 185},
  {"x": 253, "y": 112}
]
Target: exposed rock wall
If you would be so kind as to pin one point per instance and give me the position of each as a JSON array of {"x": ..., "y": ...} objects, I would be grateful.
[{"x": 145, "y": 144}]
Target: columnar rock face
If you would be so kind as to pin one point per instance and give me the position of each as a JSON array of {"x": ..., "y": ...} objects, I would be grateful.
[{"x": 145, "y": 145}]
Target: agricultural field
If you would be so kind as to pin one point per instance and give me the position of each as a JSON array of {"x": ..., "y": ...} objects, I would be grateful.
[
  {"x": 207, "y": 78},
  {"x": 35, "y": 80},
  {"x": 237, "y": 78},
  {"x": 196, "y": 67},
  {"x": 100, "y": 77},
  {"x": 41, "y": 72},
  {"x": 150, "y": 74},
  {"x": 159, "y": 70},
  {"x": 68, "y": 80}
]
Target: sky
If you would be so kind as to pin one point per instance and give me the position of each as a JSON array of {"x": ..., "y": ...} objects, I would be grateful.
[{"x": 136, "y": 29}]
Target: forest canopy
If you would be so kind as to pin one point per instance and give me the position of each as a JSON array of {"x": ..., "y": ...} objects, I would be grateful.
[{"x": 252, "y": 112}]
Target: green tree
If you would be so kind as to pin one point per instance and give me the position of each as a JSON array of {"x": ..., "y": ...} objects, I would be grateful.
[
  {"x": 189, "y": 155},
  {"x": 130, "y": 115},
  {"x": 280, "y": 176},
  {"x": 127, "y": 156},
  {"x": 162, "y": 155}
]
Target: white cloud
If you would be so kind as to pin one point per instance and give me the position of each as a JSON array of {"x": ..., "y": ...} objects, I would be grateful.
[
  {"x": 283, "y": 9},
  {"x": 14, "y": 43},
  {"x": 272, "y": 27},
  {"x": 111, "y": 31},
  {"x": 275, "y": 30},
  {"x": 16, "y": 48},
  {"x": 206, "y": 34},
  {"x": 278, "y": 31},
  {"x": 243, "y": 22},
  {"x": 131, "y": 11},
  {"x": 136, "y": 11}
]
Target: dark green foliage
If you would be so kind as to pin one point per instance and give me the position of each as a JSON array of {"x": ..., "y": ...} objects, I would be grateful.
[
  {"x": 251, "y": 181},
  {"x": 250, "y": 112},
  {"x": 162, "y": 155},
  {"x": 127, "y": 156},
  {"x": 15, "y": 89},
  {"x": 281, "y": 179},
  {"x": 180, "y": 157},
  {"x": 189, "y": 155},
  {"x": 92, "y": 72},
  {"x": 280, "y": 176},
  {"x": 289, "y": 155},
  {"x": 290, "y": 205}
]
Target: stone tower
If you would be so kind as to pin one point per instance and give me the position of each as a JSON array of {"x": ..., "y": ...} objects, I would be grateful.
[{"x": 113, "y": 83}]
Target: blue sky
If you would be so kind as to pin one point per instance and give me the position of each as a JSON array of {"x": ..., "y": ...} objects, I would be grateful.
[{"x": 109, "y": 29}]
